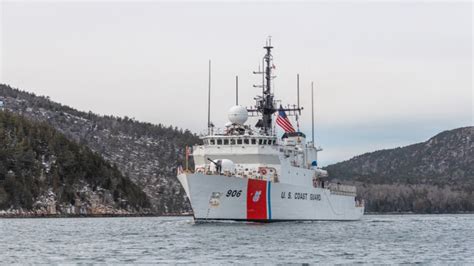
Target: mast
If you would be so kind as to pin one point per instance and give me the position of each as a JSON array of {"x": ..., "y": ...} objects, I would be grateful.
[
  {"x": 236, "y": 90},
  {"x": 265, "y": 106},
  {"x": 209, "y": 124},
  {"x": 312, "y": 113},
  {"x": 298, "y": 89},
  {"x": 298, "y": 100}
]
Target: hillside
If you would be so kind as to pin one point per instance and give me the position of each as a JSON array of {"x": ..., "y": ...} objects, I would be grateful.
[
  {"x": 432, "y": 176},
  {"x": 43, "y": 172},
  {"x": 148, "y": 154}
]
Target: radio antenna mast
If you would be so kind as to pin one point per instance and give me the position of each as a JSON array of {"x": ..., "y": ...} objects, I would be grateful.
[
  {"x": 265, "y": 104},
  {"x": 209, "y": 124},
  {"x": 298, "y": 101},
  {"x": 298, "y": 91},
  {"x": 236, "y": 90},
  {"x": 312, "y": 112}
]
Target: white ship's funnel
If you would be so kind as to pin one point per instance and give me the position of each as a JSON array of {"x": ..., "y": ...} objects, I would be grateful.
[{"x": 238, "y": 115}]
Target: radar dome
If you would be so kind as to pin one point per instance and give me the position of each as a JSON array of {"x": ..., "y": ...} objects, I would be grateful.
[{"x": 238, "y": 115}]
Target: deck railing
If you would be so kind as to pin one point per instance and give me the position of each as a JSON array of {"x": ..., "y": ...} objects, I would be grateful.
[{"x": 340, "y": 189}]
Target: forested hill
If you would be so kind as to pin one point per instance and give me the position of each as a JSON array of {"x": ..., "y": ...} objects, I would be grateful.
[
  {"x": 432, "y": 176},
  {"x": 445, "y": 159},
  {"x": 147, "y": 153},
  {"x": 42, "y": 172}
]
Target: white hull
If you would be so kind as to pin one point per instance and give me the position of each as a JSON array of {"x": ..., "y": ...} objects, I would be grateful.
[{"x": 218, "y": 197}]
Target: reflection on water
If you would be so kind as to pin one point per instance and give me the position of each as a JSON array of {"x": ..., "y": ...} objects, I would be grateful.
[{"x": 375, "y": 239}]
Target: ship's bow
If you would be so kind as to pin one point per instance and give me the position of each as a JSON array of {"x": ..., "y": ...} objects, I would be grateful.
[{"x": 183, "y": 179}]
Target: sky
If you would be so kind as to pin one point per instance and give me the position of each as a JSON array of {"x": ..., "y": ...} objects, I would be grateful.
[{"x": 386, "y": 74}]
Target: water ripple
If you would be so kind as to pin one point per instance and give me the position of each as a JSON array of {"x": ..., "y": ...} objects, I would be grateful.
[{"x": 376, "y": 239}]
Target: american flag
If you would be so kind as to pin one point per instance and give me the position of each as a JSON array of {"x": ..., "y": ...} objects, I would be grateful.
[{"x": 283, "y": 121}]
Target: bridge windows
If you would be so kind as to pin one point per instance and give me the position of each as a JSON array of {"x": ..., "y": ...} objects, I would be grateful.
[{"x": 239, "y": 141}]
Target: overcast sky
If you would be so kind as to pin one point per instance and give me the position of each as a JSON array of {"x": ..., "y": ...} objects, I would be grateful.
[{"x": 387, "y": 74}]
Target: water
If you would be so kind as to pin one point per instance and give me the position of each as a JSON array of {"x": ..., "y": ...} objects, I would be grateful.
[{"x": 375, "y": 239}]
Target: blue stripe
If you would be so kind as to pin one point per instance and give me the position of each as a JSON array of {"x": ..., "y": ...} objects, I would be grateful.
[{"x": 269, "y": 195}]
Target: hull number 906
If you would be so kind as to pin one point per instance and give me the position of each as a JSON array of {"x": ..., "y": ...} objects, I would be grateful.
[{"x": 233, "y": 193}]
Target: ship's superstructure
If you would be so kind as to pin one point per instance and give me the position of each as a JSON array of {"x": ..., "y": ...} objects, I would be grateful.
[{"x": 248, "y": 173}]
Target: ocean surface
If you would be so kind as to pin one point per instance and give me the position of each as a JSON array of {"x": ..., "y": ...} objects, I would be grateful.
[{"x": 375, "y": 239}]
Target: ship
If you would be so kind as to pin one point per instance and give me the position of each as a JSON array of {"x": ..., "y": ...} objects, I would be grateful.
[{"x": 250, "y": 173}]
